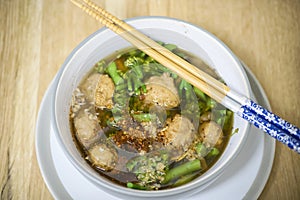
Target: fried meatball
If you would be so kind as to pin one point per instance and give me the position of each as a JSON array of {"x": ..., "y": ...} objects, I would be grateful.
[
  {"x": 211, "y": 133},
  {"x": 89, "y": 85},
  {"x": 104, "y": 92},
  {"x": 161, "y": 91},
  {"x": 86, "y": 127},
  {"x": 179, "y": 133},
  {"x": 103, "y": 156}
]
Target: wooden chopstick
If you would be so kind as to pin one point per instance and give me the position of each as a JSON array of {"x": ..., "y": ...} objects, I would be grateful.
[
  {"x": 158, "y": 52},
  {"x": 244, "y": 107},
  {"x": 166, "y": 53}
]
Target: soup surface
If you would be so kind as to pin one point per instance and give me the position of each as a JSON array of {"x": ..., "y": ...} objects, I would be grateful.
[{"x": 141, "y": 126}]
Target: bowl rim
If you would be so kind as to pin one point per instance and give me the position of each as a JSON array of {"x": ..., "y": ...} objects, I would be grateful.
[{"x": 122, "y": 189}]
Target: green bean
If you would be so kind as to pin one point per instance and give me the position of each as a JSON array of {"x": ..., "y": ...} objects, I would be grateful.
[
  {"x": 148, "y": 60},
  {"x": 214, "y": 152},
  {"x": 189, "y": 94},
  {"x": 136, "y": 186},
  {"x": 160, "y": 67},
  {"x": 182, "y": 55},
  {"x": 143, "y": 117},
  {"x": 183, "y": 85},
  {"x": 112, "y": 71},
  {"x": 170, "y": 47},
  {"x": 137, "y": 84},
  {"x": 138, "y": 71},
  {"x": 227, "y": 120},
  {"x": 120, "y": 98},
  {"x": 201, "y": 149},
  {"x": 129, "y": 85},
  {"x": 187, "y": 89},
  {"x": 210, "y": 104},
  {"x": 121, "y": 87},
  {"x": 185, "y": 179},
  {"x": 200, "y": 94},
  {"x": 160, "y": 42},
  {"x": 202, "y": 106},
  {"x": 181, "y": 170},
  {"x": 133, "y": 52},
  {"x": 137, "y": 53},
  {"x": 144, "y": 88}
]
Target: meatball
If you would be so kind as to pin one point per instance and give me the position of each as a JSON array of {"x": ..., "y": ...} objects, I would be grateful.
[
  {"x": 89, "y": 86},
  {"x": 104, "y": 92},
  {"x": 161, "y": 91},
  {"x": 86, "y": 127},
  {"x": 103, "y": 156},
  {"x": 211, "y": 134},
  {"x": 179, "y": 133}
]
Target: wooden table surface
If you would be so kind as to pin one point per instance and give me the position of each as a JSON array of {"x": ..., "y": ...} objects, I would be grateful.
[{"x": 37, "y": 35}]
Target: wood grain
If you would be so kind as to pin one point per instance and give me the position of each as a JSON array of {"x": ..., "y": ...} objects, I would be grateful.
[{"x": 37, "y": 35}]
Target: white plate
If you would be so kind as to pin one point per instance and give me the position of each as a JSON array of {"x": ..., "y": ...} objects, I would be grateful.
[{"x": 245, "y": 178}]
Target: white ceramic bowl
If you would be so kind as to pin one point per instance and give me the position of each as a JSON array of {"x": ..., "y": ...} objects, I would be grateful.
[{"x": 103, "y": 43}]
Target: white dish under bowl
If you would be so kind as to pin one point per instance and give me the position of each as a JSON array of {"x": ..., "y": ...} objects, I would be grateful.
[
  {"x": 249, "y": 172},
  {"x": 103, "y": 43}
]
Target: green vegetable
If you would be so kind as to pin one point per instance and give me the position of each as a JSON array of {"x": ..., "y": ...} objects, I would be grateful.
[
  {"x": 121, "y": 100},
  {"x": 100, "y": 66},
  {"x": 219, "y": 116},
  {"x": 129, "y": 85},
  {"x": 214, "y": 152},
  {"x": 133, "y": 61},
  {"x": 160, "y": 42},
  {"x": 185, "y": 179},
  {"x": 118, "y": 111},
  {"x": 144, "y": 117},
  {"x": 138, "y": 71},
  {"x": 113, "y": 124},
  {"x": 157, "y": 67},
  {"x": 200, "y": 94},
  {"x": 180, "y": 54},
  {"x": 112, "y": 71},
  {"x": 135, "y": 76},
  {"x": 143, "y": 88},
  {"x": 235, "y": 131},
  {"x": 189, "y": 101},
  {"x": 201, "y": 150},
  {"x": 227, "y": 120},
  {"x": 149, "y": 60},
  {"x": 137, "y": 85},
  {"x": 223, "y": 117},
  {"x": 149, "y": 169},
  {"x": 210, "y": 104},
  {"x": 182, "y": 86},
  {"x": 170, "y": 47},
  {"x": 137, "y": 53},
  {"x": 202, "y": 106},
  {"x": 181, "y": 170},
  {"x": 136, "y": 186},
  {"x": 121, "y": 86}
]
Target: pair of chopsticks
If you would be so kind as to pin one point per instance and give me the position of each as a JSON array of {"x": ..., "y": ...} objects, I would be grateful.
[{"x": 242, "y": 106}]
